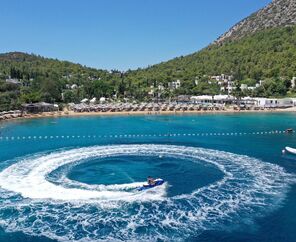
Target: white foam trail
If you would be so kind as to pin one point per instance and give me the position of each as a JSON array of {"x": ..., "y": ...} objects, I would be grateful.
[
  {"x": 28, "y": 177},
  {"x": 249, "y": 187}
]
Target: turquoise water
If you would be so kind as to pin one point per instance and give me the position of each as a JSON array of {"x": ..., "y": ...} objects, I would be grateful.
[{"x": 76, "y": 178}]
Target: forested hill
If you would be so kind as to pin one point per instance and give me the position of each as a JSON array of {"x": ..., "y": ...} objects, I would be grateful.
[
  {"x": 30, "y": 66},
  {"x": 266, "y": 54},
  {"x": 31, "y": 78},
  {"x": 261, "y": 46}
]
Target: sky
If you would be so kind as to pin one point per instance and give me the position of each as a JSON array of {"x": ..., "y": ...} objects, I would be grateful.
[{"x": 117, "y": 34}]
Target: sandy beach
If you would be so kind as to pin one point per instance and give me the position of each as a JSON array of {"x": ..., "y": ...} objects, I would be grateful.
[
  {"x": 124, "y": 113},
  {"x": 67, "y": 113}
]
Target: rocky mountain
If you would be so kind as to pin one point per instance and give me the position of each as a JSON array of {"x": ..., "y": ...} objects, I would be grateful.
[{"x": 279, "y": 13}]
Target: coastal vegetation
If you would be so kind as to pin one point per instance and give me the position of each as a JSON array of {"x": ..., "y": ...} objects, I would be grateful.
[
  {"x": 32, "y": 78},
  {"x": 267, "y": 55}
]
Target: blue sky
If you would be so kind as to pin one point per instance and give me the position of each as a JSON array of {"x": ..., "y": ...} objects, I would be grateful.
[{"x": 117, "y": 34}]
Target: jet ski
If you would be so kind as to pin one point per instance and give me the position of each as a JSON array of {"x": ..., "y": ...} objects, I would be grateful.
[{"x": 158, "y": 182}]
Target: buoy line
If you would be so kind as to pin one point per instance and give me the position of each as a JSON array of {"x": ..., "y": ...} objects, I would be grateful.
[{"x": 129, "y": 136}]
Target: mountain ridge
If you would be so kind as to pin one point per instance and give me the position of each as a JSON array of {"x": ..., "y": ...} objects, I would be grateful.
[{"x": 279, "y": 13}]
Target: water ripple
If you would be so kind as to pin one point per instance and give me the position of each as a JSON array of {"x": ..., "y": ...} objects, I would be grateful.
[{"x": 68, "y": 210}]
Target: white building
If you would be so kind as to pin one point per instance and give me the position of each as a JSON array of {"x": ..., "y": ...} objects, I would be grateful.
[
  {"x": 160, "y": 87},
  {"x": 223, "y": 99},
  {"x": 294, "y": 101},
  {"x": 244, "y": 87},
  {"x": 274, "y": 102},
  {"x": 248, "y": 101},
  {"x": 151, "y": 92},
  {"x": 201, "y": 99},
  {"x": 293, "y": 82},
  {"x": 230, "y": 87},
  {"x": 285, "y": 103},
  {"x": 219, "y": 99},
  {"x": 222, "y": 78},
  {"x": 174, "y": 85}
]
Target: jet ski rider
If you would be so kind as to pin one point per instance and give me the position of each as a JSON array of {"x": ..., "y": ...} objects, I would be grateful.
[{"x": 151, "y": 181}]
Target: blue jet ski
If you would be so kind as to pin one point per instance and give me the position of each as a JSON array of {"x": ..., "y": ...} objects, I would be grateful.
[{"x": 158, "y": 182}]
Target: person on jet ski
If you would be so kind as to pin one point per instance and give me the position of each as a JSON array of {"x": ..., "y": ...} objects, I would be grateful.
[{"x": 151, "y": 181}]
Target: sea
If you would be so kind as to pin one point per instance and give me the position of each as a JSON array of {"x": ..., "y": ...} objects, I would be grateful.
[{"x": 77, "y": 178}]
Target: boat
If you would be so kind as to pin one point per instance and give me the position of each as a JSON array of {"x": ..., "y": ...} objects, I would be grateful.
[
  {"x": 290, "y": 150},
  {"x": 158, "y": 182}
]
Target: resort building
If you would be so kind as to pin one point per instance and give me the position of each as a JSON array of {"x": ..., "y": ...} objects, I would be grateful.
[
  {"x": 274, "y": 102},
  {"x": 228, "y": 86},
  {"x": 217, "y": 99},
  {"x": 174, "y": 85},
  {"x": 151, "y": 91},
  {"x": 161, "y": 87},
  {"x": 293, "y": 82},
  {"x": 244, "y": 87},
  {"x": 285, "y": 103},
  {"x": 39, "y": 107},
  {"x": 183, "y": 98},
  {"x": 224, "y": 99},
  {"x": 201, "y": 99},
  {"x": 248, "y": 101},
  {"x": 222, "y": 78}
]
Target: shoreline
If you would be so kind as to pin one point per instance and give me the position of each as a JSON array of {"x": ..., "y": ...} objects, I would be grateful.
[{"x": 145, "y": 113}]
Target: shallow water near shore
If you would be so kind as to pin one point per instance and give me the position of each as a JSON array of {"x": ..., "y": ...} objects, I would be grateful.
[{"x": 75, "y": 178}]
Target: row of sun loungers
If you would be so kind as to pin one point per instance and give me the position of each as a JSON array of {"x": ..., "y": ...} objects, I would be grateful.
[
  {"x": 131, "y": 107},
  {"x": 149, "y": 107}
]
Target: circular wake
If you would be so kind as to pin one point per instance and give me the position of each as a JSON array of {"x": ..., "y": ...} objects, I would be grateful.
[{"x": 67, "y": 210}]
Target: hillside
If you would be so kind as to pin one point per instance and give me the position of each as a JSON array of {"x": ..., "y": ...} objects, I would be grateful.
[
  {"x": 22, "y": 65},
  {"x": 267, "y": 54},
  {"x": 31, "y": 78},
  {"x": 261, "y": 47},
  {"x": 279, "y": 13}
]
